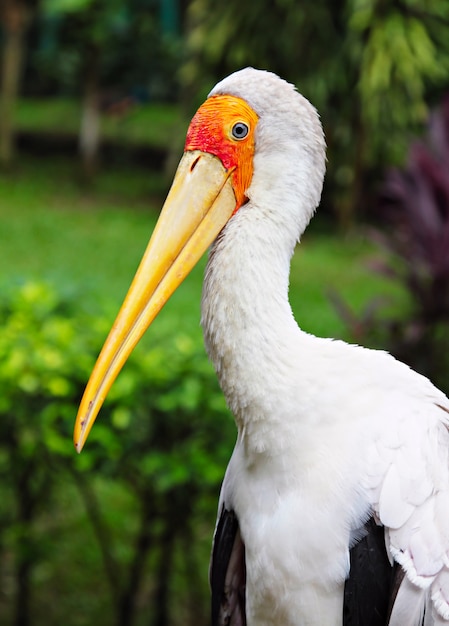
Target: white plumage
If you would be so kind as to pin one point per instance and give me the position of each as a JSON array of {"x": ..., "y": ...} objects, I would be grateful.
[
  {"x": 335, "y": 442},
  {"x": 329, "y": 434}
]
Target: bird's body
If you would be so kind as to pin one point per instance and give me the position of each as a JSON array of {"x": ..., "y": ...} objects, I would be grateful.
[{"x": 330, "y": 435}]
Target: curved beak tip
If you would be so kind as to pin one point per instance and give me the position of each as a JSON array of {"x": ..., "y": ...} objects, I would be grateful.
[
  {"x": 78, "y": 440},
  {"x": 82, "y": 427}
]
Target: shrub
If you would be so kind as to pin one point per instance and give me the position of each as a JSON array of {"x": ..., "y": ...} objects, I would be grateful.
[{"x": 164, "y": 436}]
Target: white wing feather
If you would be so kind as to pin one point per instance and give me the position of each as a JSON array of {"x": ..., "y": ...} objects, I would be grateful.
[
  {"x": 409, "y": 606},
  {"x": 408, "y": 485}
]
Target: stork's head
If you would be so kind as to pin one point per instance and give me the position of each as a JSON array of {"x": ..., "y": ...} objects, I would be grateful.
[
  {"x": 288, "y": 159},
  {"x": 255, "y": 144}
]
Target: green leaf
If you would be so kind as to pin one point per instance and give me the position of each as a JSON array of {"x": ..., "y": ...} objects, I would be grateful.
[{"x": 65, "y": 6}]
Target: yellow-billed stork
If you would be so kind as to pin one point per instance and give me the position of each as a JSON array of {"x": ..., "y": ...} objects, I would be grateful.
[{"x": 335, "y": 504}]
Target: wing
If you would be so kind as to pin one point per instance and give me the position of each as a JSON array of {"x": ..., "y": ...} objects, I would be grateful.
[
  {"x": 411, "y": 499},
  {"x": 228, "y": 572},
  {"x": 372, "y": 583}
]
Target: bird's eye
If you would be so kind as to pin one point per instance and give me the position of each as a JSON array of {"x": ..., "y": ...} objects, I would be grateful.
[{"x": 240, "y": 130}]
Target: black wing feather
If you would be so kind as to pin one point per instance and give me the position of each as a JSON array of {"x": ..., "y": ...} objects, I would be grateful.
[
  {"x": 228, "y": 573},
  {"x": 372, "y": 584}
]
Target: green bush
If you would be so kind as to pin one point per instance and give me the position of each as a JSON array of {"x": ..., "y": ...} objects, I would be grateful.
[{"x": 163, "y": 438}]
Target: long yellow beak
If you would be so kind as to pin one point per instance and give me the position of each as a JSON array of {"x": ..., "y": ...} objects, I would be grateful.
[{"x": 200, "y": 202}]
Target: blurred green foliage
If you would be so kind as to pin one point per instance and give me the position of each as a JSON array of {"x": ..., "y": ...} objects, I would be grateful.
[
  {"x": 134, "y": 54},
  {"x": 371, "y": 67},
  {"x": 414, "y": 201},
  {"x": 109, "y": 536},
  {"x": 164, "y": 435}
]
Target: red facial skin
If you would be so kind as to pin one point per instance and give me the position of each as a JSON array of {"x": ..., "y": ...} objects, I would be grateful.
[{"x": 211, "y": 131}]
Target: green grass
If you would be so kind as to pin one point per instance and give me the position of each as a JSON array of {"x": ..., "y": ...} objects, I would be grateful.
[
  {"x": 332, "y": 263},
  {"x": 87, "y": 241},
  {"x": 152, "y": 124}
]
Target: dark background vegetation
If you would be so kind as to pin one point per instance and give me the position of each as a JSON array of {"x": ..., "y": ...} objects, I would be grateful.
[{"x": 95, "y": 98}]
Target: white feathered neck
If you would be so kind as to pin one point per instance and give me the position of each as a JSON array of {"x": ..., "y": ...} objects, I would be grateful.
[{"x": 250, "y": 333}]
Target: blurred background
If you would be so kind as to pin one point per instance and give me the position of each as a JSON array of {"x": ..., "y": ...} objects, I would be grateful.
[{"x": 95, "y": 99}]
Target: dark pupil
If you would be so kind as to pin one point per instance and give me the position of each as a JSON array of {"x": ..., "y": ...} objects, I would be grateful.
[{"x": 240, "y": 130}]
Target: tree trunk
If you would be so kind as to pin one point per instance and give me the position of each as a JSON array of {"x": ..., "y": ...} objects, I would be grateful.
[
  {"x": 25, "y": 550},
  {"x": 162, "y": 600},
  {"x": 89, "y": 139},
  {"x": 23, "y": 574},
  {"x": 198, "y": 605},
  {"x": 101, "y": 531},
  {"x": 15, "y": 17},
  {"x": 126, "y": 613}
]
